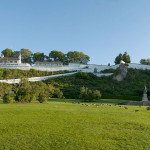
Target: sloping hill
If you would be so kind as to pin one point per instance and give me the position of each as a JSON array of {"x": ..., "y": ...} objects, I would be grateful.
[{"x": 131, "y": 88}]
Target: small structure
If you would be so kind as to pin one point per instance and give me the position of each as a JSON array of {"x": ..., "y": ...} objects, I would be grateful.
[
  {"x": 49, "y": 64},
  {"x": 75, "y": 64},
  {"x": 145, "y": 98},
  {"x": 13, "y": 63},
  {"x": 10, "y": 60},
  {"x": 144, "y": 102}
]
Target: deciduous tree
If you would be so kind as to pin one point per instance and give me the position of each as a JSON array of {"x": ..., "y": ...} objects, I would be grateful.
[
  {"x": 7, "y": 52},
  {"x": 26, "y": 55},
  {"x": 57, "y": 55},
  {"x": 38, "y": 56}
]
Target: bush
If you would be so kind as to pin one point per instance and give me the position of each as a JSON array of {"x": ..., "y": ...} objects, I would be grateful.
[
  {"x": 88, "y": 95},
  {"x": 8, "y": 98},
  {"x": 57, "y": 93},
  {"x": 42, "y": 97},
  {"x": 96, "y": 94}
]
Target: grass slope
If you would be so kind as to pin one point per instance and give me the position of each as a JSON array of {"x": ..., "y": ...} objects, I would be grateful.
[
  {"x": 130, "y": 89},
  {"x": 68, "y": 126}
]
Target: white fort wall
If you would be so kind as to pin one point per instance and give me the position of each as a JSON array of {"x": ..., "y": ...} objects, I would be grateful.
[
  {"x": 104, "y": 67},
  {"x": 84, "y": 68}
]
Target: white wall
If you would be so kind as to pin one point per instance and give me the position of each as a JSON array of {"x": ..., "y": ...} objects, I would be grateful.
[{"x": 73, "y": 67}]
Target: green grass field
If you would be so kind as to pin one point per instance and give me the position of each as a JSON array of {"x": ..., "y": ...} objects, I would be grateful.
[{"x": 68, "y": 126}]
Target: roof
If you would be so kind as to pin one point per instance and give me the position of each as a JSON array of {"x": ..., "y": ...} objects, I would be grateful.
[
  {"x": 8, "y": 59},
  {"x": 46, "y": 62}
]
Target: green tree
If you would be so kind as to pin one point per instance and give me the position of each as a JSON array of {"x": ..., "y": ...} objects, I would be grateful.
[
  {"x": 126, "y": 58},
  {"x": 9, "y": 97},
  {"x": 88, "y": 95},
  {"x": 57, "y": 55},
  {"x": 26, "y": 55},
  {"x": 85, "y": 59},
  {"x": 57, "y": 93},
  {"x": 118, "y": 59},
  {"x": 78, "y": 57},
  {"x": 5, "y": 88},
  {"x": 96, "y": 94},
  {"x": 42, "y": 91},
  {"x": 43, "y": 97},
  {"x": 82, "y": 91},
  {"x": 24, "y": 91},
  {"x": 145, "y": 61},
  {"x": 16, "y": 54},
  {"x": 7, "y": 52},
  {"x": 38, "y": 57}
]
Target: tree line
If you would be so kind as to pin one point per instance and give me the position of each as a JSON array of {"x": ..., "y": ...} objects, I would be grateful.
[
  {"x": 55, "y": 55},
  {"x": 26, "y": 92},
  {"x": 71, "y": 57},
  {"x": 145, "y": 61},
  {"x": 127, "y": 59}
]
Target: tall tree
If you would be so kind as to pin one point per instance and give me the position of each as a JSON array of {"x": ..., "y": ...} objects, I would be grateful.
[
  {"x": 78, "y": 57},
  {"x": 57, "y": 55},
  {"x": 125, "y": 57},
  {"x": 7, "y": 52},
  {"x": 23, "y": 94},
  {"x": 16, "y": 54},
  {"x": 38, "y": 56},
  {"x": 26, "y": 55},
  {"x": 118, "y": 59}
]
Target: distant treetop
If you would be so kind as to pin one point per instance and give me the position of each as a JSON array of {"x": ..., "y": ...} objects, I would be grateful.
[
  {"x": 55, "y": 55},
  {"x": 123, "y": 57}
]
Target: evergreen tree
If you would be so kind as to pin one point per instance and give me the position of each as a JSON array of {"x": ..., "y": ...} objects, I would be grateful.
[
  {"x": 118, "y": 59},
  {"x": 125, "y": 57}
]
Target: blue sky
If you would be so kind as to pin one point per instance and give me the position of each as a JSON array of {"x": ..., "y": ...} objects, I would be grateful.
[{"x": 100, "y": 28}]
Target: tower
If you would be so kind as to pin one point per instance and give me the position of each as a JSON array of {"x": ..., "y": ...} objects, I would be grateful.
[
  {"x": 2, "y": 56},
  {"x": 19, "y": 58}
]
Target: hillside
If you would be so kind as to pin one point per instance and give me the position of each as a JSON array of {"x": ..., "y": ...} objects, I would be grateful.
[
  {"x": 130, "y": 89},
  {"x": 17, "y": 73}
]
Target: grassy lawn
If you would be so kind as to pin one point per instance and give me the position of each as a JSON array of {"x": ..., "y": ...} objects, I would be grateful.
[{"x": 69, "y": 126}]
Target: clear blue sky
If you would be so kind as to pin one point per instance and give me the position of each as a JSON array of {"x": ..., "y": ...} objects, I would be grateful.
[{"x": 100, "y": 28}]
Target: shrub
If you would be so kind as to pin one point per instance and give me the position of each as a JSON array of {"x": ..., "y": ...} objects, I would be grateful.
[
  {"x": 8, "y": 98},
  {"x": 57, "y": 93},
  {"x": 42, "y": 97},
  {"x": 88, "y": 95},
  {"x": 96, "y": 94}
]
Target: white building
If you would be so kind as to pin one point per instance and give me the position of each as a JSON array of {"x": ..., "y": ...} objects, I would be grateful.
[
  {"x": 49, "y": 64},
  {"x": 13, "y": 63}
]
